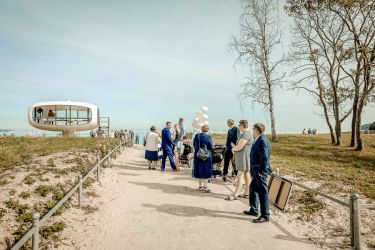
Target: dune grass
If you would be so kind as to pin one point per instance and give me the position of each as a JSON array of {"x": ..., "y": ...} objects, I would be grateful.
[
  {"x": 314, "y": 158},
  {"x": 47, "y": 176},
  {"x": 15, "y": 151}
]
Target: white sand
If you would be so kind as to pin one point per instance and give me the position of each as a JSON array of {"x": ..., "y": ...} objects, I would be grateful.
[{"x": 142, "y": 209}]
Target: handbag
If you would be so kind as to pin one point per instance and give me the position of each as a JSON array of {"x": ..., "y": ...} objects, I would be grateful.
[{"x": 202, "y": 154}]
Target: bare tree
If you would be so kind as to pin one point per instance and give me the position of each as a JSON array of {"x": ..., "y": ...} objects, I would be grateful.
[
  {"x": 359, "y": 18},
  {"x": 320, "y": 56},
  {"x": 259, "y": 38}
]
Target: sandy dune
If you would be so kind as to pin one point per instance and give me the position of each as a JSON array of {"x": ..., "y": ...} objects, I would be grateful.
[{"x": 142, "y": 209}]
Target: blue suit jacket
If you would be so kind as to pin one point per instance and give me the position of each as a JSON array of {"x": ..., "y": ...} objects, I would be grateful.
[
  {"x": 166, "y": 139},
  {"x": 260, "y": 156},
  {"x": 232, "y": 136}
]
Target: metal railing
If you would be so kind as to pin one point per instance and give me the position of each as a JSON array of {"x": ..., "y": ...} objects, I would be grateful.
[
  {"x": 33, "y": 232},
  {"x": 354, "y": 206}
]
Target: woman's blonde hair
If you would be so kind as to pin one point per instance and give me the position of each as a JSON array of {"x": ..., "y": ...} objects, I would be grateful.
[
  {"x": 243, "y": 123},
  {"x": 205, "y": 128}
]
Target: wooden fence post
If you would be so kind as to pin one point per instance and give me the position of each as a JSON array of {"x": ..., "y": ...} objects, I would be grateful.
[
  {"x": 35, "y": 239},
  {"x": 80, "y": 194},
  {"x": 355, "y": 223}
]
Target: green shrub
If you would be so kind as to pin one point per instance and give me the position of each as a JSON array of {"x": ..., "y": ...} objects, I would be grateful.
[
  {"x": 51, "y": 163},
  {"x": 50, "y": 204},
  {"x": 24, "y": 195},
  {"x": 3, "y": 182},
  {"x": 25, "y": 217},
  {"x": 48, "y": 231},
  {"x": 89, "y": 209},
  {"x": 12, "y": 204},
  {"x": 92, "y": 194},
  {"x": 16, "y": 206},
  {"x": 88, "y": 183},
  {"x": 310, "y": 205},
  {"x": 2, "y": 213},
  {"x": 19, "y": 232},
  {"x": 26, "y": 159},
  {"x": 44, "y": 190},
  {"x": 58, "y": 194},
  {"x": 80, "y": 166},
  {"x": 29, "y": 180}
]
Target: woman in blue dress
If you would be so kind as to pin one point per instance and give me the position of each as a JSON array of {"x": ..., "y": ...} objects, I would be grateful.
[{"x": 203, "y": 168}]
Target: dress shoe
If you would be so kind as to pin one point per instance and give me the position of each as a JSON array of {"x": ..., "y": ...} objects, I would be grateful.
[
  {"x": 261, "y": 220},
  {"x": 224, "y": 178},
  {"x": 250, "y": 213}
]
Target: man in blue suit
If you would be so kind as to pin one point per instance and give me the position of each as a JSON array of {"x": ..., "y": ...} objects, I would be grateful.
[
  {"x": 232, "y": 138},
  {"x": 260, "y": 168},
  {"x": 167, "y": 146}
]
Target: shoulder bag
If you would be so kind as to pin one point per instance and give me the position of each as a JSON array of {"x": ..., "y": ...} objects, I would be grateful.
[{"x": 202, "y": 154}]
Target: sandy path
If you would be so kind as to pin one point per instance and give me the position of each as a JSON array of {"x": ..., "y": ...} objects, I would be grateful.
[{"x": 142, "y": 209}]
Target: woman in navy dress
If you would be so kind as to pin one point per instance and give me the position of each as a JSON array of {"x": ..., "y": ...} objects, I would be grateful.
[{"x": 203, "y": 169}]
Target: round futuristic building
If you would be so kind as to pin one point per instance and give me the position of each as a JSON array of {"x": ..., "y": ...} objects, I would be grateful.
[{"x": 65, "y": 116}]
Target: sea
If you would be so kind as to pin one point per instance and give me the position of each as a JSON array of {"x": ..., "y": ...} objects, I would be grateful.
[{"x": 42, "y": 133}]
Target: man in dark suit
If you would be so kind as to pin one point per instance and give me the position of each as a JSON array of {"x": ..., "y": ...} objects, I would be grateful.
[
  {"x": 260, "y": 168},
  {"x": 167, "y": 146},
  {"x": 232, "y": 138}
]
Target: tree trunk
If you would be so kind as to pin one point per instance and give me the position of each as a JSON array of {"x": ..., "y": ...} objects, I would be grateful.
[
  {"x": 333, "y": 140},
  {"x": 326, "y": 115},
  {"x": 355, "y": 105},
  {"x": 273, "y": 126},
  {"x": 354, "y": 122},
  {"x": 338, "y": 133},
  {"x": 360, "y": 145},
  {"x": 270, "y": 98}
]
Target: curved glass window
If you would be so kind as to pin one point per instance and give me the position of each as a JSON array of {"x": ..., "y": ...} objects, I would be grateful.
[{"x": 61, "y": 115}]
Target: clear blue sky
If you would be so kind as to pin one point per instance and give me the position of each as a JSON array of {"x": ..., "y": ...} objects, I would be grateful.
[{"x": 141, "y": 62}]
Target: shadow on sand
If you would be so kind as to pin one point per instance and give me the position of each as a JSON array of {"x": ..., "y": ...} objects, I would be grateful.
[
  {"x": 131, "y": 166},
  {"x": 128, "y": 174},
  {"x": 176, "y": 189},
  {"x": 190, "y": 211}
]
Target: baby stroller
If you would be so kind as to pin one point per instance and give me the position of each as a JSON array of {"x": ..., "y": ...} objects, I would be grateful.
[
  {"x": 217, "y": 159},
  {"x": 187, "y": 149}
]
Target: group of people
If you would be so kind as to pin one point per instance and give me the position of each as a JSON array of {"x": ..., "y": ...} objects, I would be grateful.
[
  {"x": 309, "y": 131},
  {"x": 171, "y": 143},
  {"x": 50, "y": 116},
  {"x": 247, "y": 149},
  {"x": 121, "y": 134}
]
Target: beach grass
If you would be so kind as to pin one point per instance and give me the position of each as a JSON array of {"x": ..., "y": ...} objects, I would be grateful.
[
  {"x": 36, "y": 172},
  {"x": 15, "y": 151},
  {"x": 314, "y": 158}
]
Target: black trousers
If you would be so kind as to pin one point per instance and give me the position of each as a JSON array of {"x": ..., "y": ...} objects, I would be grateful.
[{"x": 228, "y": 156}]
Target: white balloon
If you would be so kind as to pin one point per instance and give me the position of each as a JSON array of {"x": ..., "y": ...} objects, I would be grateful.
[
  {"x": 195, "y": 125},
  {"x": 204, "y": 109},
  {"x": 205, "y": 117},
  {"x": 196, "y": 119},
  {"x": 205, "y": 123},
  {"x": 199, "y": 113}
]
